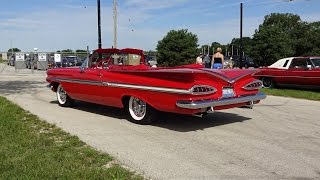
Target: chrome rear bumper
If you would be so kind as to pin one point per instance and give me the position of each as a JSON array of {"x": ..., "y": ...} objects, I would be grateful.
[{"x": 222, "y": 102}]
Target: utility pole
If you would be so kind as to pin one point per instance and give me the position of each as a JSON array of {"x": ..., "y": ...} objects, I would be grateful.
[
  {"x": 241, "y": 49},
  {"x": 99, "y": 26},
  {"x": 115, "y": 23}
]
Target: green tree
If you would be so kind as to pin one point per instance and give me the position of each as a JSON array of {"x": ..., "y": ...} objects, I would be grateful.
[
  {"x": 14, "y": 50},
  {"x": 276, "y": 38},
  {"x": 178, "y": 47},
  {"x": 308, "y": 41},
  {"x": 67, "y": 50},
  {"x": 246, "y": 45},
  {"x": 81, "y": 50}
]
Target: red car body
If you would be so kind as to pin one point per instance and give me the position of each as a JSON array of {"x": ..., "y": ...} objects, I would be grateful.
[
  {"x": 144, "y": 90},
  {"x": 297, "y": 71}
]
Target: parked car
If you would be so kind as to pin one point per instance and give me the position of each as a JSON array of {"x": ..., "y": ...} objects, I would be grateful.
[
  {"x": 246, "y": 62},
  {"x": 68, "y": 61},
  {"x": 298, "y": 71},
  {"x": 151, "y": 60},
  {"x": 144, "y": 91},
  {"x": 228, "y": 63}
]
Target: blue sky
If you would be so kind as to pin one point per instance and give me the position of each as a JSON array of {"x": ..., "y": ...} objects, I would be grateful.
[{"x": 61, "y": 24}]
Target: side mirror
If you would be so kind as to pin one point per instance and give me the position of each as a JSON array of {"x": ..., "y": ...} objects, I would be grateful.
[{"x": 81, "y": 69}]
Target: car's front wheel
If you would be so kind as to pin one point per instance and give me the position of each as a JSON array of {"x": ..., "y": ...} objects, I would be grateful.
[
  {"x": 63, "y": 99},
  {"x": 268, "y": 82},
  {"x": 140, "y": 112}
]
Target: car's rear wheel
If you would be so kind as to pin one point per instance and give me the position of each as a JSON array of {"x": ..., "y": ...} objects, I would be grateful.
[
  {"x": 268, "y": 82},
  {"x": 63, "y": 99},
  {"x": 140, "y": 112}
]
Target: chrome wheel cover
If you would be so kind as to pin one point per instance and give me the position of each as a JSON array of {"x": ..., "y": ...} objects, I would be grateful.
[
  {"x": 137, "y": 108},
  {"x": 266, "y": 82},
  {"x": 62, "y": 95}
]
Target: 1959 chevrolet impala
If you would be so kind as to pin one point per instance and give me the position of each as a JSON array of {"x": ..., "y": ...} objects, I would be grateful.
[
  {"x": 120, "y": 78},
  {"x": 292, "y": 71}
]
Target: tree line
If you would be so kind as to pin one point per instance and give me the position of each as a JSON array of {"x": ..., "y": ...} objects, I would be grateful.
[{"x": 280, "y": 35}]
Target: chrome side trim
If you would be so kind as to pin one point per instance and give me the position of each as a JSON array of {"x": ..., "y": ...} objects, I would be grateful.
[
  {"x": 120, "y": 85},
  {"x": 306, "y": 77},
  {"x": 150, "y": 88},
  {"x": 222, "y": 102},
  {"x": 79, "y": 81}
]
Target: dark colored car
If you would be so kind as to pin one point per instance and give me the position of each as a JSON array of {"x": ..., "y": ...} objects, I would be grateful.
[
  {"x": 246, "y": 62},
  {"x": 69, "y": 61}
]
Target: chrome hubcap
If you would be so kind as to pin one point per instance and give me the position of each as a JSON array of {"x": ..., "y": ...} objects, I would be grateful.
[
  {"x": 267, "y": 82},
  {"x": 138, "y": 107},
  {"x": 62, "y": 94}
]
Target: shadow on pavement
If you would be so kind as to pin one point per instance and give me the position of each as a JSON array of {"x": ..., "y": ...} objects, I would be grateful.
[
  {"x": 19, "y": 87},
  {"x": 98, "y": 109},
  {"x": 175, "y": 122},
  {"x": 185, "y": 123}
]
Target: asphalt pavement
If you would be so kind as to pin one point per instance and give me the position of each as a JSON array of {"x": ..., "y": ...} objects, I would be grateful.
[{"x": 277, "y": 139}]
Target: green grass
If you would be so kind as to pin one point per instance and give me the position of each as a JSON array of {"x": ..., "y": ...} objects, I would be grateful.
[
  {"x": 34, "y": 149},
  {"x": 301, "y": 94}
]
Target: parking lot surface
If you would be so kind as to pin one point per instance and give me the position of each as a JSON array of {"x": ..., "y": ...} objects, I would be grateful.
[{"x": 277, "y": 139}]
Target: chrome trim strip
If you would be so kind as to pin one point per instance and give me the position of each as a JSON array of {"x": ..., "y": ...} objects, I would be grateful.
[
  {"x": 222, "y": 102},
  {"x": 139, "y": 87},
  {"x": 158, "y": 89},
  {"x": 288, "y": 76},
  {"x": 131, "y": 86},
  {"x": 79, "y": 81}
]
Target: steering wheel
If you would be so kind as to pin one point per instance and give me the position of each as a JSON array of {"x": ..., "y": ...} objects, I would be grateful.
[{"x": 102, "y": 64}]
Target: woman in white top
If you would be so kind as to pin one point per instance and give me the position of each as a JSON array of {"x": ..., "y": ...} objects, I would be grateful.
[{"x": 199, "y": 59}]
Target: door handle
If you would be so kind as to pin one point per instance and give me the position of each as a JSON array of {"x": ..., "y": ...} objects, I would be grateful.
[{"x": 100, "y": 74}]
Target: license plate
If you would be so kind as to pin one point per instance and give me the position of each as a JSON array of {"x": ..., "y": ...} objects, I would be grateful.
[{"x": 227, "y": 92}]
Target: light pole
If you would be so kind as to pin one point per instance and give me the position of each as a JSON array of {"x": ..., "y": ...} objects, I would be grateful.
[
  {"x": 241, "y": 49},
  {"x": 99, "y": 26},
  {"x": 115, "y": 23}
]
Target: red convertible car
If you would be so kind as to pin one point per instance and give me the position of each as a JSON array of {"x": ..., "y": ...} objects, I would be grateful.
[
  {"x": 293, "y": 71},
  {"x": 120, "y": 78}
]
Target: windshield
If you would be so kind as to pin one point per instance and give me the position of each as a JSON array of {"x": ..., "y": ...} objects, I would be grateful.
[
  {"x": 316, "y": 62},
  {"x": 71, "y": 58}
]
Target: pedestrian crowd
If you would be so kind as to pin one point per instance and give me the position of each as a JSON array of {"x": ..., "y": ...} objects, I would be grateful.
[{"x": 216, "y": 62}]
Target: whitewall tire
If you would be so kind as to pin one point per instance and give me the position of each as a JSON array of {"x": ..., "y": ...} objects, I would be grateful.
[
  {"x": 63, "y": 99},
  {"x": 140, "y": 112}
]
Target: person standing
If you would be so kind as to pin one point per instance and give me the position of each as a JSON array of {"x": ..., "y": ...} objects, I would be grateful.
[
  {"x": 217, "y": 59},
  {"x": 207, "y": 61},
  {"x": 199, "y": 59}
]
